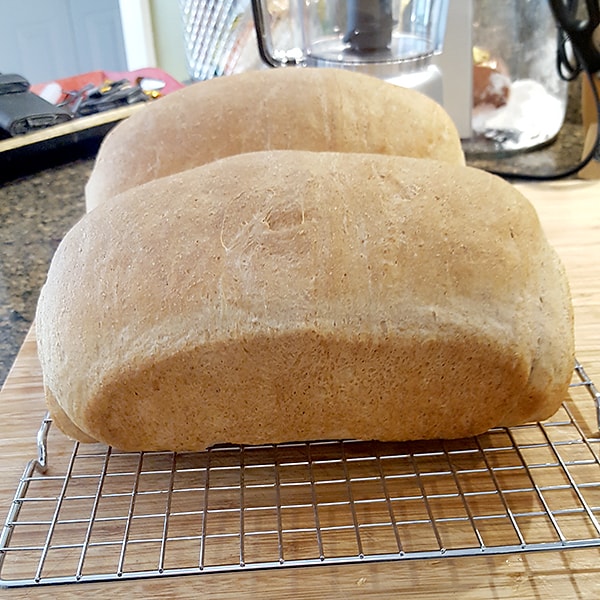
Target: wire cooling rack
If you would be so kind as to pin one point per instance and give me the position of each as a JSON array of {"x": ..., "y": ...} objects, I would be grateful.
[{"x": 97, "y": 514}]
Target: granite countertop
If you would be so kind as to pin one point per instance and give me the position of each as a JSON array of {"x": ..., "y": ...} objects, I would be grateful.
[
  {"x": 35, "y": 213},
  {"x": 37, "y": 210}
]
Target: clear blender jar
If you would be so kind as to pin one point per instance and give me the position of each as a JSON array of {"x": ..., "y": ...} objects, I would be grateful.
[{"x": 395, "y": 40}]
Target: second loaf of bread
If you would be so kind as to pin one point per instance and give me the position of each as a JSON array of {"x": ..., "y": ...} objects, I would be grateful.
[
  {"x": 295, "y": 295},
  {"x": 277, "y": 109}
]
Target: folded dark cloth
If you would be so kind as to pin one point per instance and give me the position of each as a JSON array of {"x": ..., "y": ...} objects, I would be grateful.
[{"x": 22, "y": 111}]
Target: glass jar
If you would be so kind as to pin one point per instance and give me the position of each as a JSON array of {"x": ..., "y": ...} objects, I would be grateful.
[{"x": 519, "y": 99}]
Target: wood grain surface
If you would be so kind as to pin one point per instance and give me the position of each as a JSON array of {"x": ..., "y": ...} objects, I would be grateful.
[{"x": 570, "y": 214}]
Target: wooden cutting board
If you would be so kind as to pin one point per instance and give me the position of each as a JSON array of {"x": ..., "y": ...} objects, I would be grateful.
[{"x": 570, "y": 214}]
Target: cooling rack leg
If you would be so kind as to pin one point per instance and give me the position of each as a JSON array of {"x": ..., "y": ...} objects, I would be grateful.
[{"x": 41, "y": 464}]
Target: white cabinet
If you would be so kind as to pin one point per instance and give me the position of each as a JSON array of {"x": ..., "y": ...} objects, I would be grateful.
[{"x": 50, "y": 39}]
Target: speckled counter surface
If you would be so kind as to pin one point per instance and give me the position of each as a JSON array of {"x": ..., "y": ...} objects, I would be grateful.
[{"x": 36, "y": 211}]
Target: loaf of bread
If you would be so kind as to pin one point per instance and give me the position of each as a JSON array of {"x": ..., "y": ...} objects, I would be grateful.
[
  {"x": 293, "y": 295},
  {"x": 277, "y": 109}
]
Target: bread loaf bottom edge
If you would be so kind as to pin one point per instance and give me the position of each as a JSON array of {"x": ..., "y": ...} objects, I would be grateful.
[{"x": 304, "y": 386}]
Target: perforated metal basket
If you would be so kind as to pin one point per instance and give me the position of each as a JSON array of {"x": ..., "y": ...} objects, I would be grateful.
[{"x": 215, "y": 35}]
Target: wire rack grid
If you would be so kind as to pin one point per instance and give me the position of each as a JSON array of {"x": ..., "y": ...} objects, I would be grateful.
[{"x": 97, "y": 514}]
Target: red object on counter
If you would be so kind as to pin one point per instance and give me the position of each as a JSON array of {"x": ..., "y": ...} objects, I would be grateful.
[{"x": 97, "y": 78}]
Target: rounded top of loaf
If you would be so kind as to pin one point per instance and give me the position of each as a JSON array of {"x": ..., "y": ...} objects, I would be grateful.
[{"x": 275, "y": 109}]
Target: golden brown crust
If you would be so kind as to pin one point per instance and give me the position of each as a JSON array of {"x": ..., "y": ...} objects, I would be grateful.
[
  {"x": 296, "y": 295},
  {"x": 305, "y": 109}
]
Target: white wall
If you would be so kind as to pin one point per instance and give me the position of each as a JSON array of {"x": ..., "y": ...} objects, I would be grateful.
[
  {"x": 168, "y": 38},
  {"x": 153, "y": 32}
]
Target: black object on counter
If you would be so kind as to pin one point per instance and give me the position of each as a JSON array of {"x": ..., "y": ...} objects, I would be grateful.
[
  {"x": 108, "y": 96},
  {"x": 584, "y": 35},
  {"x": 22, "y": 111}
]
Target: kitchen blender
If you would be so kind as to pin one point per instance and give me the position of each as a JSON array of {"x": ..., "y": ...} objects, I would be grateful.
[{"x": 394, "y": 40}]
